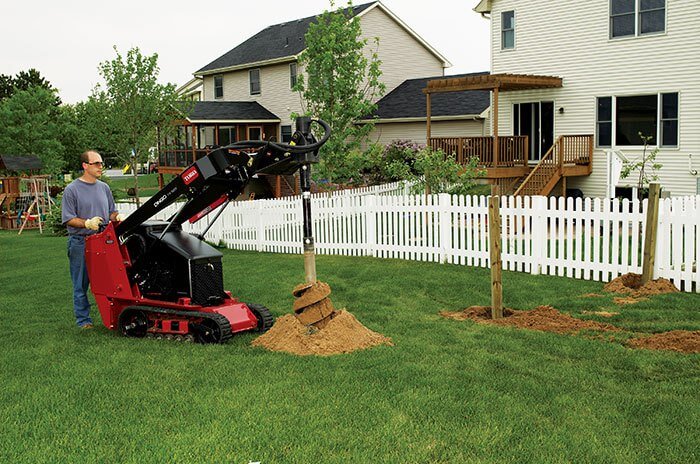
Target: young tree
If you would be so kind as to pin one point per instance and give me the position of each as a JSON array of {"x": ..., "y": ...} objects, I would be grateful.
[
  {"x": 340, "y": 83},
  {"x": 646, "y": 167},
  {"x": 32, "y": 125},
  {"x": 130, "y": 106}
]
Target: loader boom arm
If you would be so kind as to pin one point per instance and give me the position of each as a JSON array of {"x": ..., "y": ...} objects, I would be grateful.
[{"x": 223, "y": 174}]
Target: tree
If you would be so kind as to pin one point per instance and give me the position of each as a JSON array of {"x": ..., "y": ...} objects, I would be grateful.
[
  {"x": 130, "y": 107},
  {"x": 32, "y": 125},
  {"x": 647, "y": 167},
  {"x": 341, "y": 83},
  {"x": 23, "y": 81}
]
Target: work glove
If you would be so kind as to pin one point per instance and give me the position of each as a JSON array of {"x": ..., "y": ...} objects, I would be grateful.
[
  {"x": 93, "y": 223},
  {"x": 120, "y": 217}
]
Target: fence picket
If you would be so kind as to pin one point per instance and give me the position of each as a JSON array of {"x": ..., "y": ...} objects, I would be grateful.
[{"x": 590, "y": 239}]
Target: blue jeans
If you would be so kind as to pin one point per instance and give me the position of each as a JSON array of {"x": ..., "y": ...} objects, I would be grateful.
[{"x": 79, "y": 276}]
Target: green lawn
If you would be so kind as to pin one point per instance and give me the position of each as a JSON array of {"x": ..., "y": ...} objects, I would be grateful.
[
  {"x": 447, "y": 391},
  {"x": 148, "y": 185}
]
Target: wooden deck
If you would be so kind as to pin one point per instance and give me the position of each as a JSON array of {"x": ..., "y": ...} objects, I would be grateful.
[{"x": 508, "y": 165}]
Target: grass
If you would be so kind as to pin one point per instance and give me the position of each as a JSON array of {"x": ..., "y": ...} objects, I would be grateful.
[
  {"x": 148, "y": 185},
  {"x": 447, "y": 391}
]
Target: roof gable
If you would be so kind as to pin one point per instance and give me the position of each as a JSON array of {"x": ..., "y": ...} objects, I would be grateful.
[{"x": 284, "y": 40}]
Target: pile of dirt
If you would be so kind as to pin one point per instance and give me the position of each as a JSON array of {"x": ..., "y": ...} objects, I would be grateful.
[
  {"x": 544, "y": 318},
  {"x": 682, "y": 341},
  {"x": 631, "y": 284},
  {"x": 548, "y": 319},
  {"x": 342, "y": 334}
]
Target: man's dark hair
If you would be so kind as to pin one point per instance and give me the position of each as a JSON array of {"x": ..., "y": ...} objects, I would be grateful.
[{"x": 85, "y": 156}]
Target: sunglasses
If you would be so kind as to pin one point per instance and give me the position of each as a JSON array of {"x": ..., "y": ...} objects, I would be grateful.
[{"x": 96, "y": 163}]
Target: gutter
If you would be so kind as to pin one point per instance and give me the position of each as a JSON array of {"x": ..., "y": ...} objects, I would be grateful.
[{"x": 257, "y": 64}]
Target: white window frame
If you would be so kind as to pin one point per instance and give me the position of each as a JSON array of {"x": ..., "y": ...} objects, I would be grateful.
[
  {"x": 250, "y": 81},
  {"x": 219, "y": 76},
  {"x": 659, "y": 120},
  {"x": 637, "y": 21},
  {"x": 293, "y": 75},
  {"x": 515, "y": 22}
]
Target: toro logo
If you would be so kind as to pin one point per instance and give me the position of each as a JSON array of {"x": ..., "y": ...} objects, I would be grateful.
[{"x": 190, "y": 175}]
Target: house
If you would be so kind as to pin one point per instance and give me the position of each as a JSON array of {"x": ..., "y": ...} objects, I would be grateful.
[
  {"x": 402, "y": 113},
  {"x": 568, "y": 73},
  {"x": 247, "y": 92}
]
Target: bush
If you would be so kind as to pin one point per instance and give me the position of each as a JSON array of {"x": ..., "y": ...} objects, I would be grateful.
[{"x": 53, "y": 219}]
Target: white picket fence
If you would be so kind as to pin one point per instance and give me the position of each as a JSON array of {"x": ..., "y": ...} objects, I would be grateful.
[{"x": 593, "y": 239}]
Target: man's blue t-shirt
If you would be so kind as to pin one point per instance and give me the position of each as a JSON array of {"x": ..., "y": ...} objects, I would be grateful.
[{"x": 84, "y": 200}]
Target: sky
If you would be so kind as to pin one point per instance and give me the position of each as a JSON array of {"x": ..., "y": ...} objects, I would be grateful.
[{"x": 66, "y": 40}]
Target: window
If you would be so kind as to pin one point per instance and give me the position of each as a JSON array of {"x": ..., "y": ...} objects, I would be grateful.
[
  {"x": 254, "y": 75},
  {"x": 622, "y": 119},
  {"x": 669, "y": 119},
  {"x": 227, "y": 134},
  {"x": 292, "y": 75},
  {"x": 255, "y": 133},
  {"x": 218, "y": 86},
  {"x": 637, "y": 17},
  {"x": 508, "y": 29},
  {"x": 286, "y": 134},
  {"x": 604, "y": 122}
]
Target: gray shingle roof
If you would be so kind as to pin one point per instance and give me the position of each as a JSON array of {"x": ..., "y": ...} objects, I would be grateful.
[
  {"x": 230, "y": 111},
  {"x": 408, "y": 101},
  {"x": 278, "y": 41},
  {"x": 20, "y": 163}
]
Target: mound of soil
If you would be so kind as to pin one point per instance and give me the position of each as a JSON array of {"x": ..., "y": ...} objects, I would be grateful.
[
  {"x": 342, "y": 334},
  {"x": 682, "y": 341},
  {"x": 544, "y": 318},
  {"x": 548, "y": 319},
  {"x": 631, "y": 284}
]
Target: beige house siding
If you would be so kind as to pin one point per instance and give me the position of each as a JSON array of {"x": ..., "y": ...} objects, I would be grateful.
[
  {"x": 570, "y": 39},
  {"x": 401, "y": 55}
]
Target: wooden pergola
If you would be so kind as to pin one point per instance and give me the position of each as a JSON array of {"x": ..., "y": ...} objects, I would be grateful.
[{"x": 494, "y": 83}]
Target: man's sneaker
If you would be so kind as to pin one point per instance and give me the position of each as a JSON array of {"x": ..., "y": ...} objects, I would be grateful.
[{"x": 87, "y": 326}]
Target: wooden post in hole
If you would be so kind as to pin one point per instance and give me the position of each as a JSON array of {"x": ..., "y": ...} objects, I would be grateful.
[
  {"x": 495, "y": 254},
  {"x": 650, "y": 232}
]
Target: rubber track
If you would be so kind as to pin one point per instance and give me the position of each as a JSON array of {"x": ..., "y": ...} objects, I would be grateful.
[
  {"x": 218, "y": 319},
  {"x": 267, "y": 318}
]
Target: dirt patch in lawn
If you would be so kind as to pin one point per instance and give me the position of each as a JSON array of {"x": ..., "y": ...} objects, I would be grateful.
[
  {"x": 544, "y": 318},
  {"x": 343, "y": 334},
  {"x": 548, "y": 319},
  {"x": 631, "y": 284},
  {"x": 683, "y": 341}
]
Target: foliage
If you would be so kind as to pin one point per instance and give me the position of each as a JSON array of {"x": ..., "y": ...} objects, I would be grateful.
[
  {"x": 447, "y": 392},
  {"x": 646, "y": 167},
  {"x": 339, "y": 85},
  {"x": 125, "y": 113},
  {"x": 54, "y": 222},
  {"x": 431, "y": 171},
  {"x": 23, "y": 81},
  {"x": 32, "y": 125}
]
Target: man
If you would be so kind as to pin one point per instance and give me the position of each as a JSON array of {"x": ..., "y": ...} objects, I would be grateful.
[{"x": 87, "y": 203}]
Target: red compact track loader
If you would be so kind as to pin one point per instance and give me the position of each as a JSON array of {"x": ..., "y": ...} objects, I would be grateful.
[{"x": 150, "y": 278}]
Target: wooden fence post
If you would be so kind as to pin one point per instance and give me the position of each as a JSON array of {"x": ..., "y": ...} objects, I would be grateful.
[
  {"x": 650, "y": 232},
  {"x": 495, "y": 254}
]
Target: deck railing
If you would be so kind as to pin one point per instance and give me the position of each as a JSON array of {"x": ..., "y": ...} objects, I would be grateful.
[
  {"x": 512, "y": 150},
  {"x": 180, "y": 157}
]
